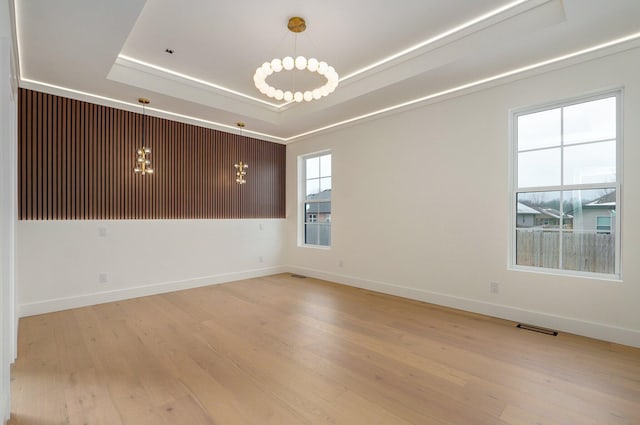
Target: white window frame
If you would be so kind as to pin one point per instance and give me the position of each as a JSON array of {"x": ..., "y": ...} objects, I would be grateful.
[
  {"x": 302, "y": 188},
  {"x": 514, "y": 190}
]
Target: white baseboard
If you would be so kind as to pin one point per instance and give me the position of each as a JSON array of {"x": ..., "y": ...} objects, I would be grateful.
[
  {"x": 595, "y": 330},
  {"x": 600, "y": 331},
  {"x": 59, "y": 304}
]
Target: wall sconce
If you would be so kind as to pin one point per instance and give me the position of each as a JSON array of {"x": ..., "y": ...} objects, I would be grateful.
[
  {"x": 241, "y": 167},
  {"x": 143, "y": 164},
  {"x": 240, "y": 173}
]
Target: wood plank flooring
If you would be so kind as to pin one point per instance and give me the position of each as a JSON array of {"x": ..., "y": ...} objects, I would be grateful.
[{"x": 281, "y": 350}]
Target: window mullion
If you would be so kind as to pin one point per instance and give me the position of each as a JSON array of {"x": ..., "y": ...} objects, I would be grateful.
[
  {"x": 561, "y": 209},
  {"x": 590, "y": 142}
]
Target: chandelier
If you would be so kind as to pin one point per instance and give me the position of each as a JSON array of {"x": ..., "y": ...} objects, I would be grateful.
[{"x": 288, "y": 63}]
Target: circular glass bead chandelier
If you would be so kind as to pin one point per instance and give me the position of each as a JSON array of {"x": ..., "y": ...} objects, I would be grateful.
[{"x": 288, "y": 63}]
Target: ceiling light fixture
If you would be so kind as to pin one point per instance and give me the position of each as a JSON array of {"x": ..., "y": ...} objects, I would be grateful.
[{"x": 296, "y": 25}]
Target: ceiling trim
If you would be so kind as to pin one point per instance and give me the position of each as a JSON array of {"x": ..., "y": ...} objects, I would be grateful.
[
  {"x": 589, "y": 53},
  {"x": 487, "y": 19},
  {"x": 147, "y": 79},
  {"x": 593, "y": 52},
  {"x": 137, "y": 64},
  {"x": 135, "y": 107},
  {"x": 503, "y": 12},
  {"x": 473, "y": 25}
]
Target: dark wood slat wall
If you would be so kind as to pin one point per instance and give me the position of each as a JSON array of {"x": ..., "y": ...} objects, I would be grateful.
[
  {"x": 265, "y": 180},
  {"x": 76, "y": 160}
]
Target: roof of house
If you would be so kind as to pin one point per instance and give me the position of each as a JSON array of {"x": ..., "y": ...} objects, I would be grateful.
[
  {"x": 320, "y": 207},
  {"x": 324, "y": 195},
  {"x": 525, "y": 209},
  {"x": 608, "y": 201},
  {"x": 554, "y": 213},
  {"x": 549, "y": 212}
]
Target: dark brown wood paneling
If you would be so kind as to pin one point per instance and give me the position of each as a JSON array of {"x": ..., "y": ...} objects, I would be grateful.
[
  {"x": 263, "y": 194},
  {"x": 76, "y": 160}
]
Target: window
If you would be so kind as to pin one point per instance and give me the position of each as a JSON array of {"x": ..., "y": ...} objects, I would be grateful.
[
  {"x": 316, "y": 205},
  {"x": 566, "y": 179},
  {"x": 603, "y": 224}
]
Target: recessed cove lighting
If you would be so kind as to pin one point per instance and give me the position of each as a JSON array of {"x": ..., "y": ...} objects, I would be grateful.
[
  {"x": 195, "y": 80},
  {"x": 108, "y": 101},
  {"x": 473, "y": 84},
  {"x": 436, "y": 38},
  {"x": 289, "y": 96}
]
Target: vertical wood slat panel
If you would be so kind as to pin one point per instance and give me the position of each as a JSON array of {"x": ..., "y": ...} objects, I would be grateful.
[
  {"x": 38, "y": 168},
  {"x": 76, "y": 162}
]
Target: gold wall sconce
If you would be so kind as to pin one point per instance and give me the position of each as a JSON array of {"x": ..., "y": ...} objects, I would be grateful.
[
  {"x": 240, "y": 172},
  {"x": 143, "y": 163},
  {"x": 241, "y": 167}
]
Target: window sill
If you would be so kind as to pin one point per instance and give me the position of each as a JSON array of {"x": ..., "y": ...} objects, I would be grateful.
[
  {"x": 567, "y": 273},
  {"x": 321, "y": 247}
]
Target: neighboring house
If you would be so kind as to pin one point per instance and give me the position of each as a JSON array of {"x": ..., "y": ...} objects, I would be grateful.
[
  {"x": 598, "y": 215},
  {"x": 594, "y": 216},
  {"x": 526, "y": 216},
  {"x": 319, "y": 212},
  {"x": 317, "y": 226},
  {"x": 550, "y": 217}
]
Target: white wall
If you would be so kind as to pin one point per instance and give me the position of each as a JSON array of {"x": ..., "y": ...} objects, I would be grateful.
[
  {"x": 421, "y": 207},
  {"x": 8, "y": 322},
  {"x": 59, "y": 262}
]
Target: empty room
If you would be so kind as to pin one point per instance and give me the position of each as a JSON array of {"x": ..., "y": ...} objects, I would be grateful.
[{"x": 296, "y": 213}]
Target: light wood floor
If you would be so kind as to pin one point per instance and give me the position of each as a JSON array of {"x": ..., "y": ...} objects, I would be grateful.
[{"x": 281, "y": 350}]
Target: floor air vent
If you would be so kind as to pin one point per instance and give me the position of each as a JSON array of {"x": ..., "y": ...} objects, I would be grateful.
[
  {"x": 298, "y": 276},
  {"x": 537, "y": 329}
]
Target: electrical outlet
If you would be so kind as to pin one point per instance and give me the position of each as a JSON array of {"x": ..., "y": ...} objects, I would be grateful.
[
  {"x": 494, "y": 287},
  {"x": 260, "y": 259},
  {"x": 260, "y": 226},
  {"x": 103, "y": 277},
  {"x": 340, "y": 263},
  {"x": 102, "y": 232}
]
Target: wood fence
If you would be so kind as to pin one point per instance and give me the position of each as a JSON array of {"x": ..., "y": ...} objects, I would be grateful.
[{"x": 589, "y": 252}]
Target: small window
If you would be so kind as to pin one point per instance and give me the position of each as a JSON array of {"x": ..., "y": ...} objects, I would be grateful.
[
  {"x": 566, "y": 186},
  {"x": 316, "y": 204},
  {"x": 603, "y": 225}
]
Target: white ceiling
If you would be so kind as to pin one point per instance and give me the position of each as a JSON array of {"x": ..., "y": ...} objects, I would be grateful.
[{"x": 388, "y": 54}]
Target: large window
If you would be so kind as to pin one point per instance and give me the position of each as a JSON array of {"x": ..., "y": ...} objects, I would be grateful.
[
  {"x": 566, "y": 191},
  {"x": 316, "y": 205}
]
